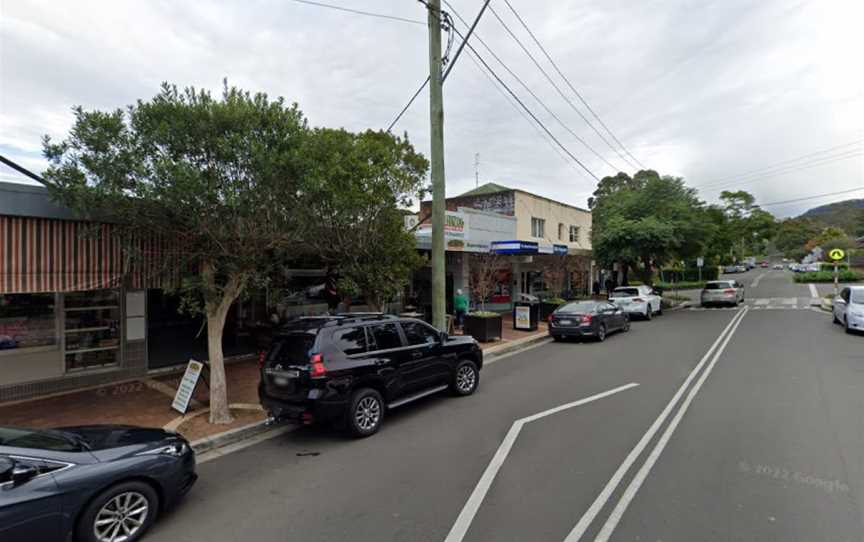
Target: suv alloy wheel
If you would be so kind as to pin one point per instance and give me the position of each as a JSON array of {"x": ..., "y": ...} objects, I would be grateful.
[
  {"x": 466, "y": 378},
  {"x": 365, "y": 413}
]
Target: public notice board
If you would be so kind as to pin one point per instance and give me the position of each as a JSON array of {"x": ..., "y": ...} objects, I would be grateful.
[
  {"x": 523, "y": 317},
  {"x": 187, "y": 386}
]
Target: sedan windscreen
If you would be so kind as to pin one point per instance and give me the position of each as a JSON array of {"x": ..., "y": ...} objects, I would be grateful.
[
  {"x": 625, "y": 292},
  {"x": 718, "y": 285},
  {"x": 41, "y": 440},
  {"x": 578, "y": 308}
]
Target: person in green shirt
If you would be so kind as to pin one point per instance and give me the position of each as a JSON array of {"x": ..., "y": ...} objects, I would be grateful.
[{"x": 460, "y": 306}]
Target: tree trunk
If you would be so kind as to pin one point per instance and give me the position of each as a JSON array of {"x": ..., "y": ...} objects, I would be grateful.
[{"x": 217, "y": 305}]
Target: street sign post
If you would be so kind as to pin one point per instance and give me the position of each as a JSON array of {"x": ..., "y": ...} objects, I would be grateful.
[
  {"x": 700, "y": 261},
  {"x": 836, "y": 254}
]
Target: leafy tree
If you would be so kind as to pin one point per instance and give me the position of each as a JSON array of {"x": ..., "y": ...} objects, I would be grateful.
[
  {"x": 792, "y": 236},
  {"x": 748, "y": 224},
  {"x": 646, "y": 221},
  {"x": 353, "y": 189},
  {"x": 218, "y": 176},
  {"x": 830, "y": 237},
  {"x": 484, "y": 269}
]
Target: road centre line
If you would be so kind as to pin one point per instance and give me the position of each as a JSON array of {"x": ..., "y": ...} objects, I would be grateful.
[
  {"x": 472, "y": 505},
  {"x": 756, "y": 281},
  {"x": 636, "y": 482},
  {"x": 813, "y": 292},
  {"x": 601, "y": 500}
]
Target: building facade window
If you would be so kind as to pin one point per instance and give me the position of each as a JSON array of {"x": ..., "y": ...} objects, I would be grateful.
[
  {"x": 91, "y": 330},
  {"x": 560, "y": 231},
  {"x": 574, "y": 234},
  {"x": 538, "y": 227},
  {"x": 27, "y": 321}
]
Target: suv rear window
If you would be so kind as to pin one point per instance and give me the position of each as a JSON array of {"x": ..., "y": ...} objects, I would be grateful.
[
  {"x": 718, "y": 285},
  {"x": 293, "y": 348},
  {"x": 625, "y": 292},
  {"x": 350, "y": 340},
  {"x": 386, "y": 336}
]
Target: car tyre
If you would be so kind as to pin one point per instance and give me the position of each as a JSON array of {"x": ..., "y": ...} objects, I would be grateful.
[
  {"x": 466, "y": 378},
  {"x": 836, "y": 320},
  {"x": 660, "y": 309},
  {"x": 846, "y": 326},
  {"x": 139, "y": 498},
  {"x": 626, "y": 326},
  {"x": 649, "y": 313},
  {"x": 601, "y": 333},
  {"x": 557, "y": 338},
  {"x": 365, "y": 413}
]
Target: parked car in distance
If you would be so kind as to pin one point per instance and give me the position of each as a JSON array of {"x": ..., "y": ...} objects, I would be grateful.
[
  {"x": 351, "y": 369},
  {"x": 580, "y": 319},
  {"x": 637, "y": 300},
  {"x": 722, "y": 292},
  {"x": 764, "y": 265},
  {"x": 778, "y": 267},
  {"x": 849, "y": 308},
  {"x": 743, "y": 268},
  {"x": 89, "y": 484}
]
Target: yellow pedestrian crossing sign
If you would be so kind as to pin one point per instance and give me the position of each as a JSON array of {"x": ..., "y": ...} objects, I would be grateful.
[{"x": 836, "y": 254}]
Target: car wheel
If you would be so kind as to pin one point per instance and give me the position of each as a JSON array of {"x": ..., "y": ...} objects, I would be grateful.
[
  {"x": 660, "y": 309},
  {"x": 556, "y": 338},
  {"x": 466, "y": 378},
  {"x": 626, "y": 327},
  {"x": 121, "y": 512},
  {"x": 846, "y": 326},
  {"x": 836, "y": 320},
  {"x": 649, "y": 313},
  {"x": 601, "y": 333},
  {"x": 365, "y": 413}
]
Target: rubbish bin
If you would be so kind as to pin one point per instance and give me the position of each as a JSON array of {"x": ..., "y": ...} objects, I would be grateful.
[{"x": 526, "y": 313}]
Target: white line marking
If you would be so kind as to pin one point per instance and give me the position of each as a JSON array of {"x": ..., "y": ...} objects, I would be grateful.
[
  {"x": 495, "y": 359},
  {"x": 466, "y": 516},
  {"x": 813, "y": 291},
  {"x": 756, "y": 282},
  {"x": 636, "y": 483},
  {"x": 588, "y": 517},
  {"x": 763, "y": 301},
  {"x": 789, "y": 301}
]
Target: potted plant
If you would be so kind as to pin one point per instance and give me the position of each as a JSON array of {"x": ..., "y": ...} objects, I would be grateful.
[{"x": 483, "y": 325}]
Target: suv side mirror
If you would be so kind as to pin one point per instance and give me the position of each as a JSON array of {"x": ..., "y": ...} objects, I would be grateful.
[
  {"x": 23, "y": 473},
  {"x": 443, "y": 337}
]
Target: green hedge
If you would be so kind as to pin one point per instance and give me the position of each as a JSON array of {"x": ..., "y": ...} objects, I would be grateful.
[
  {"x": 683, "y": 285},
  {"x": 828, "y": 276},
  {"x": 691, "y": 274}
]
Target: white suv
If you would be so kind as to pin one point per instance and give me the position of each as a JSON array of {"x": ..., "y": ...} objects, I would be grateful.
[
  {"x": 637, "y": 300},
  {"x": 849, "y": 308}
]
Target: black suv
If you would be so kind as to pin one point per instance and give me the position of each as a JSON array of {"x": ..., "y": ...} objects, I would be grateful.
[{"x": 348, "y": 369}]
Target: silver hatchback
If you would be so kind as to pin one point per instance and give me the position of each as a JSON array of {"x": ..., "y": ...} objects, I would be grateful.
[{"x": 722, "y": 292}]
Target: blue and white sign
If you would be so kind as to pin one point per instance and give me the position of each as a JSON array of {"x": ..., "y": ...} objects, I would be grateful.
[{"x": 514, "y": 247}]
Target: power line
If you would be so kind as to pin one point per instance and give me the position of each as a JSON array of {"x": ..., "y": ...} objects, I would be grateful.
[
  {"x": 558, "y": 89},
  {"x": 569, "y": 84},
  {"x": 805, "y": 198},
  {"x": 446, "y": 73},
  {"x": 525, "y": 116},
  {"x": 776, "y": 164},
  {"x": 789, "y": 169},
  {"x": 533, "y": 116},
  {"x": 534, "y": 95},
  {"x": 21, "y": 169},
  {"x": 360, "y": 12}
]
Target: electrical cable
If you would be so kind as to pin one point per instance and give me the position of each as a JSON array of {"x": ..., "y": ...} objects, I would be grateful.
[
  {"x": 569, "y": 84},
  {"x": 359, "y": 12},
  {"x": 805, "y": 198}
]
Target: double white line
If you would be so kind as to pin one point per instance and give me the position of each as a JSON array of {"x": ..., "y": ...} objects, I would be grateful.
[{"x": 617, "y": 513}]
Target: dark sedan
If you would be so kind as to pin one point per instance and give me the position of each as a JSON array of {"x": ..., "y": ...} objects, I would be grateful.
[
  {"x": 90, "y": 484},
  {"x": 587, "y": 319}
]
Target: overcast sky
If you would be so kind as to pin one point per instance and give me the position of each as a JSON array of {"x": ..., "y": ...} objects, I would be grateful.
[{"x": 699, "y": 89}]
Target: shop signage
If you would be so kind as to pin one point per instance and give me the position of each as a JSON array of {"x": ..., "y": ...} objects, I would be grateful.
[
  {"x": 515, "y": 247},
  {"x": 560, "y": 250},
  {"x": 523, "y": 317},
  {"x": 455, "y": 232},
  {"x": 187, "y": 386}
]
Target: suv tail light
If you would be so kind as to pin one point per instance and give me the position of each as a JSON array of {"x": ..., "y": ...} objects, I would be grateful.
[
  {"x": 318, "y": 370},
  {"x": 586, "y": 319},
  {"x": 261, "y": 355},
  {"x": 729, "y": 291},
  {"x": 638, "y": 300}
]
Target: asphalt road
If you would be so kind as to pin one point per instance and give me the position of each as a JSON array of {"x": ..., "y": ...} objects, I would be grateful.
[{"x": 764, "y": 441}]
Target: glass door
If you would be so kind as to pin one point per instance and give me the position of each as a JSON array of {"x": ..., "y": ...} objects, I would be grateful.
[{"x": 91, "y": 329}]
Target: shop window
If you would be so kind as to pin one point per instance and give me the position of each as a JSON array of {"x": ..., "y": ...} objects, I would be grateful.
[
  {"x": 91, "y": 329},
  {"x": 538, "y": 227},
  {"x": 27, "y": 321}
]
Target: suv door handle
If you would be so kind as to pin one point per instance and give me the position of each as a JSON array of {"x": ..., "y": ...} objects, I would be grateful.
[{"x": 416, "y": 354}]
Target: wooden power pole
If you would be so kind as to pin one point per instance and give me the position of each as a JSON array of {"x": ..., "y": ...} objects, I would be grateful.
[{"x": 436, "y": 117}]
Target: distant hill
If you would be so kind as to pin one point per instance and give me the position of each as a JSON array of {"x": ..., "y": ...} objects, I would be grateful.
[{"x": 842, "y": 214}]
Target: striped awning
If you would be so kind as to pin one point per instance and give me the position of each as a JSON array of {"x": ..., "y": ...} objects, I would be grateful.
[{"x": 48, "y": 255}]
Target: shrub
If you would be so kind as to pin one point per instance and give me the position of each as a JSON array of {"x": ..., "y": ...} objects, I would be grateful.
[{"x": 828, "y": 276}]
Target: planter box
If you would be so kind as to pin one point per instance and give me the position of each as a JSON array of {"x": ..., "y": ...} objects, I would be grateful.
[
  {"x": 546, "y": 309},
  {"x": 484, "y": 329}
]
